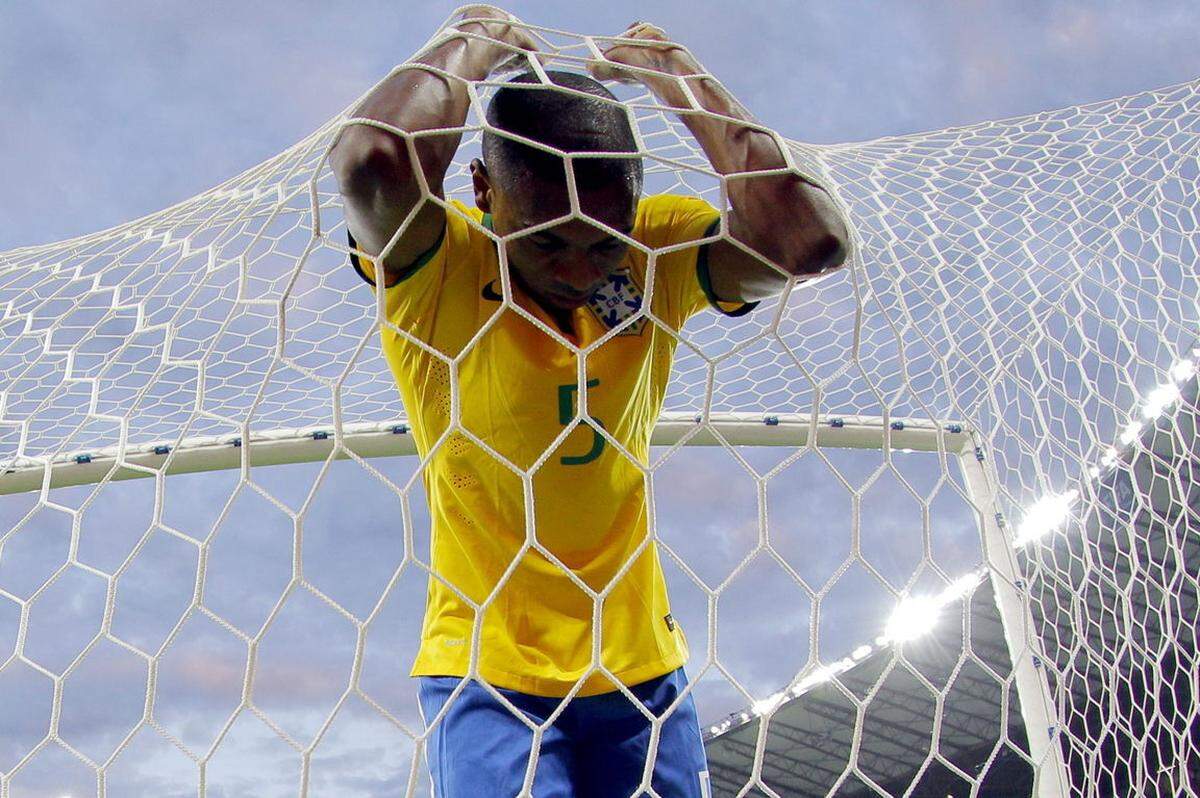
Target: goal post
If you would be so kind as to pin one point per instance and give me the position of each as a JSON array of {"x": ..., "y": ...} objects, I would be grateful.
[{"x": 1039, "y": 707}]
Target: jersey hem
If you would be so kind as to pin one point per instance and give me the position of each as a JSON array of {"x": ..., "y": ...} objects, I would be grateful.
[{"x": 597, "y": 683}]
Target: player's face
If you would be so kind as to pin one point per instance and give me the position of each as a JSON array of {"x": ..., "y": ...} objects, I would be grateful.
[{"x": 563, "y": 265}]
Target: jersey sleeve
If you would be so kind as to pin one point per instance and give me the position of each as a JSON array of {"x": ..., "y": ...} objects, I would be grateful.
[
  {"x": 416, "y": 291},
  {"x": 682, "y": 286}
]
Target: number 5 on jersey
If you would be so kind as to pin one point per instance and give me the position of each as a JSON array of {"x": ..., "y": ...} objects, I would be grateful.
[{"x": 566, "y": 412}]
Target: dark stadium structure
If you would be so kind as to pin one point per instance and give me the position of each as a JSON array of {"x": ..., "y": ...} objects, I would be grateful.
[
  {"x": 1113, "y": 598},
  {"x": 810, "y": 738}
]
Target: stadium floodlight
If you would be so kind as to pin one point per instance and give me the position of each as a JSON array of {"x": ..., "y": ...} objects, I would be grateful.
[
  {"x": 912, "y": 618},
  {"x": 1046, "y": 515},
  {"x": 1131, "y": 432},
  {"x": 1184, "y": 370},
  {"x": 769, "y": 704},
  {"x": 1160, "y": 399}
]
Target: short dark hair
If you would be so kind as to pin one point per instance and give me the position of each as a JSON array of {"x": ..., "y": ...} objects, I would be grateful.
[{"x": 566, "y": 121}]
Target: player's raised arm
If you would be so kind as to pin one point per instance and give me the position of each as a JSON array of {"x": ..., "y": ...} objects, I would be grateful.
[
  {"x": 375, "y": 168},
  {"x": 785, "y": 218}
]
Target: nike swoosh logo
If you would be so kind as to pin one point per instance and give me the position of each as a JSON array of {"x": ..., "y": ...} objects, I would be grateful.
[{"x": 490, "y": 293}]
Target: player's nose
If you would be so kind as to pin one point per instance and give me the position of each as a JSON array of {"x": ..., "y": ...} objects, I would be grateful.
[{"x": 582, "y": 275}]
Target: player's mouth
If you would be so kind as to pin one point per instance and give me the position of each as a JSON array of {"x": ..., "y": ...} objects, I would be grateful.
[{"x": 564, "y": 298}]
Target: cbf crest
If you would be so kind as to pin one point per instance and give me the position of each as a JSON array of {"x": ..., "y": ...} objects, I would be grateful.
[{"x": 619, "y": 299}]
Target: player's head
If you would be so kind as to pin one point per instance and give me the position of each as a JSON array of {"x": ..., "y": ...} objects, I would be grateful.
[{"x": 523, "y": 186}]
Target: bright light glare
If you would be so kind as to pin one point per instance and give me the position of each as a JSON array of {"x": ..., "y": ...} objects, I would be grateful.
[
  {"x": 816, "y": 677},
  {"x": 960, "y": 587},
  {"x": 1045, "y": 516},
  {"x": 1129, "y": 435},
  {"x": 912, "y": 618},
  {"x": 1159, "y": 400},
  {"x": 767, "y": 704},
  {"x": 1183, "y": 370}
]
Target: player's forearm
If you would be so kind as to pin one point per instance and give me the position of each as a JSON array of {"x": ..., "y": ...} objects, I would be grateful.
[
  {"x": 767, "y": 206},
  {"x": 417, "y": 97},
  {"x": 731, "y": 146}
]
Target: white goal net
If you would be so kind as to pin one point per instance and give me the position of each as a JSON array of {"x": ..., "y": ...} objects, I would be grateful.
[{"x": 937, "y": 536}]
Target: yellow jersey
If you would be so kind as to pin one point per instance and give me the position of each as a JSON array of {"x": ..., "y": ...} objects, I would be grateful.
[{"x": 584, "y": 512}]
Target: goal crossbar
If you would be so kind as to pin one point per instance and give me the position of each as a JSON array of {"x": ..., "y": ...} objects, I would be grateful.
[{"x": 394, "y": 438}]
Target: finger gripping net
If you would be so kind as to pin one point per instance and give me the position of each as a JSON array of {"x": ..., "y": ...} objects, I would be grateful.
[{"x": 1010, "y": 351}]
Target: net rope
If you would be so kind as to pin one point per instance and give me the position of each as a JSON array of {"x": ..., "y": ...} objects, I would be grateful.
[{"x": 1031, "y": 282}]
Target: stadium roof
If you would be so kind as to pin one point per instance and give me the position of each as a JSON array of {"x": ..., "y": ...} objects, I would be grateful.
[{"x": 811, "y": 736}]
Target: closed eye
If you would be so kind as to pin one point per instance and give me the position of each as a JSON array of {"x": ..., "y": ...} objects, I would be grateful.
[
  {"x": 609, "y": 245},
  {"x": 547, "y": 243}
]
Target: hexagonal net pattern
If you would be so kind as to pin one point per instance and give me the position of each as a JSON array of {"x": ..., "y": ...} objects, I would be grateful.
[{"x": 1014, "y": 336}]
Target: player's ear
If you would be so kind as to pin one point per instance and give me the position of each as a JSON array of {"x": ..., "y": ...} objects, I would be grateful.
[{"x": 481, "y": 181}]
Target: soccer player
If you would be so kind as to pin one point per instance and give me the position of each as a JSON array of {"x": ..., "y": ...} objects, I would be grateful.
[{"x": 516, "y": 612}]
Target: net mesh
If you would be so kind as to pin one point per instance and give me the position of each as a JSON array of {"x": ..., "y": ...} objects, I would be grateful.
[{"x": 1023, "y": 291}]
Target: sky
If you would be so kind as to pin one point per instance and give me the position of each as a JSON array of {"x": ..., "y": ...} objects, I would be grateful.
[{"x": 113, "y": 112}]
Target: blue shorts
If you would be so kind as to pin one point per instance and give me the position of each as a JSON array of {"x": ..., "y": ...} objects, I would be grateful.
[{"x": 596, "y": 748}]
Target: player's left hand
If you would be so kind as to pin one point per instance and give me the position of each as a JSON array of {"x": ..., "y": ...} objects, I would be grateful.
[{"x": 650, "y": 50}]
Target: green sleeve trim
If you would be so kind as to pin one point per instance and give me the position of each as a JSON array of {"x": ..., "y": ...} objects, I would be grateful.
[
  {"x": 405, "y": 273},
  {"x": 705, "y": 280}
]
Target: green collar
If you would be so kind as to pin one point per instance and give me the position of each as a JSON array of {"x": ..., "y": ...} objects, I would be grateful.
[{"x": 487, "y": 221}]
